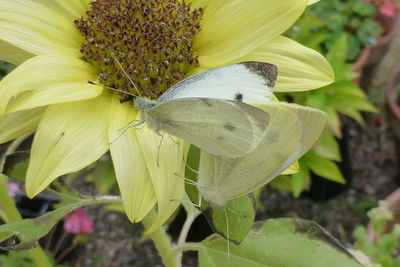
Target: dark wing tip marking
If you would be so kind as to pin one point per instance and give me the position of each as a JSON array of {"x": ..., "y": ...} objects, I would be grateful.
[{"x": 268, "y": 71}]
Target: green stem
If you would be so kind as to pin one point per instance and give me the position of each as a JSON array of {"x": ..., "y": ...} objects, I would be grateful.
[
  {"x": 162, "y": 242},
  {"x": 186, "y": 226},
  {"x": 10, "y": 210},
  {"x": 185, "y": 230},
  {"x": 189, "y": 246}
]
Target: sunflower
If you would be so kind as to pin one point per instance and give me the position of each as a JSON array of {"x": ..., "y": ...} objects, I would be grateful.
[{"x": 60, "y": 45}]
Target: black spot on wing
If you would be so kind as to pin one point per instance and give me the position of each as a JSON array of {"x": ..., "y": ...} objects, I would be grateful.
[
  {"x": 239, "y": 97},
  {"x": 229, "y": 127},
  {"x": 268, "y": 72}
]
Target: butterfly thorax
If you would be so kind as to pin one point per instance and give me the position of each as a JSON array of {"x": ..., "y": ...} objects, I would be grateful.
[{"x": 144, "y": 105}]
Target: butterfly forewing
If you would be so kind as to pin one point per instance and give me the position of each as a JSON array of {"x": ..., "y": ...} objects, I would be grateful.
[
  {"x": 221, "y": 127},
  {"x": 250, "y": 82}
]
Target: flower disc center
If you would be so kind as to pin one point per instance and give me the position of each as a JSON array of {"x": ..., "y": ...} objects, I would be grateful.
[{"x": 151, "y": 39}]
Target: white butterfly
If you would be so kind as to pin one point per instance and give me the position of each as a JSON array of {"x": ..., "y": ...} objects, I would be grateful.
[
  {"x": 210, "y": 109},
  {"x": 291, "y": 132}
]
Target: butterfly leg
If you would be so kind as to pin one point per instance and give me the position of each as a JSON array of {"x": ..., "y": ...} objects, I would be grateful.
[
  {"x": 187, "y": 180},
  {"x": 172, "y": 139},
  {"x": 141, "y": 122},
  {"x": 190, "y": 168},
  {"x": 159, "y": 147},
  {"x": 189, "y": 202},
  {"x": 127, "y": 125}
]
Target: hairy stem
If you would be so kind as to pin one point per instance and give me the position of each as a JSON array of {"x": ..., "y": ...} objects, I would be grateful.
[
  {"x": 162, "y": 242},
  {"x": 190, "y": 246}
]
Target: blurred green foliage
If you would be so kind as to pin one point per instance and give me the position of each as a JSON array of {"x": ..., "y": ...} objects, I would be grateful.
[
  {"x": 326, "y": 28},
  {"x": 334, "y": 18},
  {"x": 383, "y": 250},
  {"x": 21, "y": 258}
]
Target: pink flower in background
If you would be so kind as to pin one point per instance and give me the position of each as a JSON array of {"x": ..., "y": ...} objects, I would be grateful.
[
  {"x": 13, "y": 189},
  {"x": 386, "y": 7},
  {"x": 78, "y": 222}
]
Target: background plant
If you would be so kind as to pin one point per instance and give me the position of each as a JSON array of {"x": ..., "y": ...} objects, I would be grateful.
[
  {"x": 339, "y": 30},
  {"x": 382, "y": 251}
]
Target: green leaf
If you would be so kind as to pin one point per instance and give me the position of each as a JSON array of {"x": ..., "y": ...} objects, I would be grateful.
[
  {"x": 333, "y": 120},
  {"x": 345, "y": 88},
  {"x": 233, "y": 221},
  {"x": 282, "y": 183},
  {"x": 16, "y": 165},
  {"x": 352, "y": 113},
  {"x": 300, "y": 179},
  {"x": 237, "y": 216},
  {"x": 328, "y": 147},
  {"x": 316, "y": 99},
  {"x": 350, "y": 102},
  {"x": 277, "y": 243},
  {"x": 353, "y": 47},
  {"x": 192, "y": 165},
  {"x": 31, "y": 230},
  {"x": 323, "y": 167},
  {"x": 337, "y": 53},
  {"x": 363, "y": 8}
]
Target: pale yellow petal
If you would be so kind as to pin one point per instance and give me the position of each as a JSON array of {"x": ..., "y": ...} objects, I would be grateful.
[
  {"x": 231, "y": 29},
  {"x": 70, "y": 136},
  {"x": 19, "y": 123},
  {"x": 294, "y": 168},
  {"x": 12, "y": 54},
  {"x": 71, "y": 9},
  {"x": 47, "y": 79},
  {"x": 38, "y": 29},
  {"x": 52, "y": 94},
  {"x": 299, "y": 68},
  {"x": 133, "y": 178},
  {"x": 167, "y": 174}
]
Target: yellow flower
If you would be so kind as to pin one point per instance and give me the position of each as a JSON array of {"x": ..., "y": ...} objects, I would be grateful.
[{"x": 60, "y": 45}]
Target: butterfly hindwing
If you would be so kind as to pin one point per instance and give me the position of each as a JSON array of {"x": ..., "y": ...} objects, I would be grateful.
[{"x": 291, "y": 132}]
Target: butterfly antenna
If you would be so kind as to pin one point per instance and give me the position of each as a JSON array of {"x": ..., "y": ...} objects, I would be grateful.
[
  {"x": 111, "y": 88},
  {"x": 227, "y": 237},
  {"x": 126, "y": 74}
]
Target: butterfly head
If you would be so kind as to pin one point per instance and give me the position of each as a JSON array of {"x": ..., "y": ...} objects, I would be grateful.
[{"x": 143, "y": 104}]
